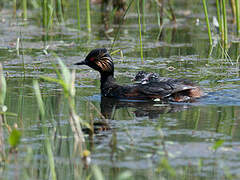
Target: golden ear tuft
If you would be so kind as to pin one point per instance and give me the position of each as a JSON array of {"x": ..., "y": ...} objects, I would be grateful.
[{"x": 105, "y": 64}]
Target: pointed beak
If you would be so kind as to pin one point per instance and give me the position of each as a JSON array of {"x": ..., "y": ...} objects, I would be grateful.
[{"x": 81, "y": 63}]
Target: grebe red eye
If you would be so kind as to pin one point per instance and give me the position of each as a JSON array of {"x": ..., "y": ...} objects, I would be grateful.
[{"x": 92, "y": 59}]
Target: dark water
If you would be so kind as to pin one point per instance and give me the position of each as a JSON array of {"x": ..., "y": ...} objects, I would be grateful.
[{"x": 152, "y": 140}]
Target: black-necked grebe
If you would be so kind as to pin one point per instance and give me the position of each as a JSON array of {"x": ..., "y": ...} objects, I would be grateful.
[{"x": 165, "y": 89}]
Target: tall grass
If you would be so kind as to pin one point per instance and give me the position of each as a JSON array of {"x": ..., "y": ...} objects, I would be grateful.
[
  {"x": 24, "y": 5},
  {"x": 237, "y": 16},
  {"x": 3, "y": 87},
  {"x": 225, "y": 24},
  {"x": 48, "y": 144},
  {"x": 59, "y": 10},
  {"x": 140, "y": 30},
  {"x": 78, "y": 13},
  {"x": 44, "y": 13},
  {"x": 143, "y": 15},
  {"x": 219, "y": 17},
  {"x": 119, "y": 25},
  {"x": 88, "y": 15},
  {"x": 14, "y": 7},
  {"x": 66, "y": 80},
  {"x": 207, "y": 22}
]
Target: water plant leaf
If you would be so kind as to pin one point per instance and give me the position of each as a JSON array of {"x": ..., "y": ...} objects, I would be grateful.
[
  {"x": 39, "y": 98},
  {"x": 164, "y": 165},
  {"x": 217, "y": 144},
  {"x": 50, "y": 79},
  {"x": 14, "y": 138},
  {"x": 115, "y": 52},
  {"x": 126, "y": 175},
  {"x": 9, "y": 113},
  {"x": 66, "y": 75},
  {"x": 97, "y": 173},
  {"x": 3, "y": 86},
  {"x": 56, "y": 68}
]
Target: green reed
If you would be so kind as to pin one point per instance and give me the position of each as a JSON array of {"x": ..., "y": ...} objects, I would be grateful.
[
  {"x": 233, "y": 7},
  {"x": 143, "y": 16},
  {"x": 119, "y": 25},
  {"x": 14, "y": 137},
  {"x": 171, "y": 11},
  {"x": 140, "y": 29},
  {"x": 78, "y": 13},
  {"x": 48, "y": 145},
  {"x": 44, "y": 13},
  {"x": 66, "y": 81},
  {"x": 219, "y": 17},
  {"x": 237, "y": 16},
  {"x": 88, "y": 15},
  {"x": 59, "y": 10},
  {"x": 3, "y": 88},
  {"x": 50, "y": 14},
  {"x": 14, "y": 7},
  {"x": 207, "y": 22},
  {"x": 48, "y": 11},
  {"x": 24, "y": 5},
  {"x": 222, "y": 20},
  {"x": 225, "y": 23}
]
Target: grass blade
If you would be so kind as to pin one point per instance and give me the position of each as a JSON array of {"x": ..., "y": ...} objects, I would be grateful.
[{"x": 207, "y": 22}]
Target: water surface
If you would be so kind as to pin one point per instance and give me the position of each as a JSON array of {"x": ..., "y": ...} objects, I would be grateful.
[{"x": 152, "y": 140}]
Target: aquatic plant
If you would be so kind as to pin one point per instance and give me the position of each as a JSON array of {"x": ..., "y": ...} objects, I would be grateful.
[
  {"x": 66, "y": 80},
  {"x": 48, "y": 144},
  {"x": 59, "y": 10},
  {"x": 225, "y": 26},
  {"x": 207, "y": 22},
  {"x": 24, "y": 5},
  {"x": 3, "y": 88},
  {"x": 140, "y": 29},
  {"x": 78, "y": 14},
  {"x": 88, "y": 15},
  {"x": 119, "y": 25},
  {"x": 237, "y": 2}
]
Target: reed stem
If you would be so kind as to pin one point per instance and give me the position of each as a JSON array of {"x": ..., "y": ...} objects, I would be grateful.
[
  {"x": 219, "y": 17},
  {"x": 88, "y": 15},
  {"x": 44, "y": 12},
  {"x": 3, "y": 87},
  {"x": 14, "y": 7},
  {"x": 60, "y": 10},
  {"x": 225, "y": 23},
  {"x": 207, "y": 22},
  {"x": 121, "y": 22},
  {"x": 140, "y": 29},
  {"x": 78, "y": 13},
  {"x": 222, "y": 26},
  {"x": 24, "y": 4},
  {"x": 233, "y": 7},
  {"x": 48, "y": 146},
  {"x": 143, "y": 15},
  {"x": 173, "y": 16},
  {"x": 237, "y": 16}
]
